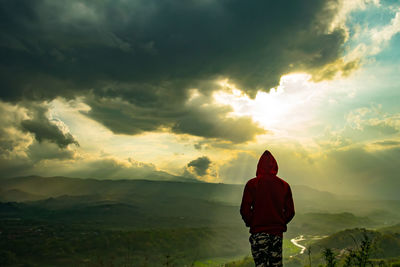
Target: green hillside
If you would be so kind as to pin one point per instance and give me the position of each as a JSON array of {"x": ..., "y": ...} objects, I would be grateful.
[
  {"x": 55, "y": 244},
  {"x": 391, "y": 229},
  {"x": 384, "y": 249},
  {"x": 326, "y": 223}
]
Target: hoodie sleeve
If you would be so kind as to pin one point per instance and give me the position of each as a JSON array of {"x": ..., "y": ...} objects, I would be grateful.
[
  {"x": 246, "y": 207},
  {"x": 289, "y": 206}
]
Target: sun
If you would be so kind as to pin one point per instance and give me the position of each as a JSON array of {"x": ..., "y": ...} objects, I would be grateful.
[{"x": 275, "y": 109}]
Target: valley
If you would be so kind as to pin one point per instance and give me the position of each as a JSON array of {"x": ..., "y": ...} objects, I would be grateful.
[{"x": 85, "y": 222}]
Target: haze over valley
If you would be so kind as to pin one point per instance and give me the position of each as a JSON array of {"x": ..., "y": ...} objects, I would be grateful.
[
  {"x": 129, "y": 129},
  {"x": 175, "y": 213}
]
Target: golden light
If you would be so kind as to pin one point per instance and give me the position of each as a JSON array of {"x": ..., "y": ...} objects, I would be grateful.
[{"x": 275, "y": 110}]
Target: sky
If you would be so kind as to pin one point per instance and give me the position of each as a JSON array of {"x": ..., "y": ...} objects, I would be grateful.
[{"x": 198, "y": 89}]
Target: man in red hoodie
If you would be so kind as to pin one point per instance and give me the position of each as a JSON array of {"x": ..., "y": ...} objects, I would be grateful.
[{"x": 267, "y": 207}]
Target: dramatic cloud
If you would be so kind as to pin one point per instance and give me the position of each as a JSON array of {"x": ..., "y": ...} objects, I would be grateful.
[
  {"x": 150, "y": 53},
  {"x": 80, "y": 43},
  {"x": 45, "y": 150},
  {"x": 46, "y": 159},
  {"x": 196, "y": 117},
  {"x": 13, "y": 142},
  {"x": 85, "y": 86},
  {"x": 21, "y": 149},
  {"x": 200, "y": 165},
  {"x": 44, "y": 129},
  {"x": 17, "y": 120},
  {"x": 112, "y": 168}
]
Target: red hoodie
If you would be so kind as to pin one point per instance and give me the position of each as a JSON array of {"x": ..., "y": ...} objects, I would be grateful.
[{"x": 267, "y": 204}]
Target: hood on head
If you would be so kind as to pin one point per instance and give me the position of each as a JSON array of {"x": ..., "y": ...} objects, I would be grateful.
[{"x": 267, "y": 165}]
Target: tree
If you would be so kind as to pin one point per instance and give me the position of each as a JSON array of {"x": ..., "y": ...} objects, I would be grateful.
[
  {"x": 329, "y": 257},
  {"x": 309, "y": 254}
]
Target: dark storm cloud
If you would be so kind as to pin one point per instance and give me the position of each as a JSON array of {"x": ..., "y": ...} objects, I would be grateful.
[
  {"x": 20, "y": 152},
  {"x": 48, "y": 151},
  {"x": 190, "y": 118},
  {"x": 200, "y": 165},
  {"x": 211, "y": 122},
  {"x": 16, "y": 137},
  {"x": 148, "y": 52},
  {"x": 44, "y": 129},
  {"x": 154, "y": 41}
]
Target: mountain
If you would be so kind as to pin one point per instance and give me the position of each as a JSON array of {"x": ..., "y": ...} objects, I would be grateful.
[
  {"x": 148, "y": 194},
  {"x": 326, "y": 223},
  {"x": 16, "y": 195},
  {"x": 383, "y": 245},
  {"x": 137, "y": 192},
  {"x": 58, "y": 186},
  {"x": 307, "y": 193},
  {"x": 144, "y": 203},
  {"x": 391, "y": 229}
]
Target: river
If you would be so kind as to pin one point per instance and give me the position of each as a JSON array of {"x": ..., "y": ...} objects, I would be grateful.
[{"x": 295, "y": 242}]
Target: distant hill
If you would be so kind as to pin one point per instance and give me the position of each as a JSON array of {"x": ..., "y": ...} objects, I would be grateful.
[
  {"x": 307, "y": 193},
  {"x": 395, "y": 229},
  {"x": 16, "y": 195},
  {"x": 384, "y": 245},
  {"x": 22, "y": 189},
  {"x": 58, "y": 186},
  {"x": 149, "y": 204},
  {"x": 306, "y": 199},
  {"x": 327, "y": 223}
]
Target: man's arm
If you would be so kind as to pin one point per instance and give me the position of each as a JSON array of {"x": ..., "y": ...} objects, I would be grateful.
[
  {"x": 289, "y": 207},
  {"x": 246, "y": 206}
]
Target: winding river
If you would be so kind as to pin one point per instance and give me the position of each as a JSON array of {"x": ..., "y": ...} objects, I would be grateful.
[
  {"x": 298, "y": 239},
  {"x": 295, "y": 241}
]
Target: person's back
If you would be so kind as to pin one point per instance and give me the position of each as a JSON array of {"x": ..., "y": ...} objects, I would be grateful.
[{"x": 267, "y": 206}]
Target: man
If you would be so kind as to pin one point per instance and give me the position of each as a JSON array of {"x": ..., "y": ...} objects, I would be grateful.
[{"x": 267, "y": 206}]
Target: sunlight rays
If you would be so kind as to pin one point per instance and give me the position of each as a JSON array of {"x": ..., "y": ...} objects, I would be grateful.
[{"x": 280, "y": 108}]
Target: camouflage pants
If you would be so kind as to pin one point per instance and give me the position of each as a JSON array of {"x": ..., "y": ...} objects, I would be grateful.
[{"x": 266, "y": 249}]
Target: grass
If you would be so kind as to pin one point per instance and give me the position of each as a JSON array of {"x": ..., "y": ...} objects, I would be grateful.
[{"x": 289, "y": 249}]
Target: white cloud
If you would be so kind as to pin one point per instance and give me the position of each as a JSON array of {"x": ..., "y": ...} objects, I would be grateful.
[
  {"x": 348, "y": 6},
  {"x": 13, "y": 142},
  {"x": 373, "y": 116},
  {"x": 380, "y": 36},
  {"x": 372, "y": 40}
]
